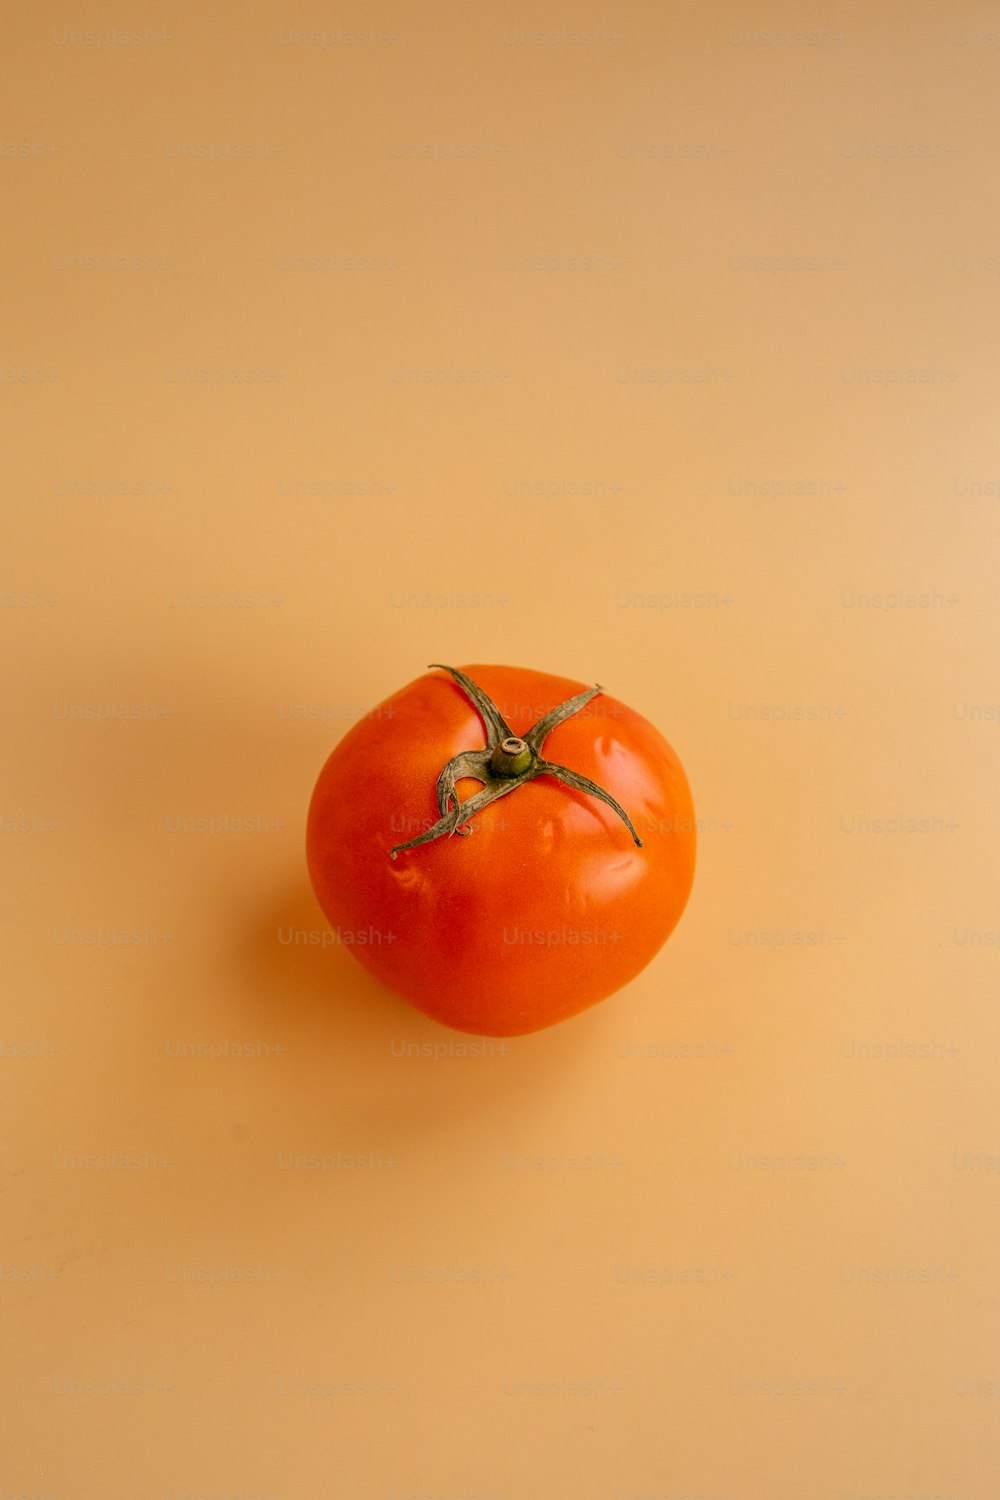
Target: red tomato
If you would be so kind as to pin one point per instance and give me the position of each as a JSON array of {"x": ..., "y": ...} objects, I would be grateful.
[{"x": 548, "y": 904}]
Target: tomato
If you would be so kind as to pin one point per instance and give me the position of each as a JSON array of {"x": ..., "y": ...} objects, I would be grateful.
[{"x": 542, "y": 900}]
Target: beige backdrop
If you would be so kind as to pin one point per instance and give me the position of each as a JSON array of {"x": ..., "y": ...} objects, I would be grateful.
[{"x": 703, "y": 298}]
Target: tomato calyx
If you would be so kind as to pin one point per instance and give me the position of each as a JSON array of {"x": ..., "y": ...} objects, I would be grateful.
[{"x": 507, "y": 762}]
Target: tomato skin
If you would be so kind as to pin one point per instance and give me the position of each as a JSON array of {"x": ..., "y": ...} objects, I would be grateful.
[{"x": 548, "y": 906}]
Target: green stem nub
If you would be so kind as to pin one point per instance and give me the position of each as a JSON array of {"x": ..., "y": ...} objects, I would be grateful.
[{"x": 512, "y": 757}]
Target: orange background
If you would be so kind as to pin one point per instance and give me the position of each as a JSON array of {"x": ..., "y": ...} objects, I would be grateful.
[{"x": 730, "y": 297}]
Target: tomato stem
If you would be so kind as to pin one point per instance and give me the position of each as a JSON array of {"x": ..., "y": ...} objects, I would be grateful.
[
  {"x": 511, "y": 757},
  {"x": 507, "y": 762}
]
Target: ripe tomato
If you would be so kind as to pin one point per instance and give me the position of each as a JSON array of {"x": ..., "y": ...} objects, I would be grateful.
[{"x": 539, "y": 903}]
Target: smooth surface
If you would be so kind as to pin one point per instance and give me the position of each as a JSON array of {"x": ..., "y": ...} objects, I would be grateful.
[{"x": 732, "y": 303}]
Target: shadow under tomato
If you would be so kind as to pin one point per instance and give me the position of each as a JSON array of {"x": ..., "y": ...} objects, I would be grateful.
[{"x": 351, "y": 1039}]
